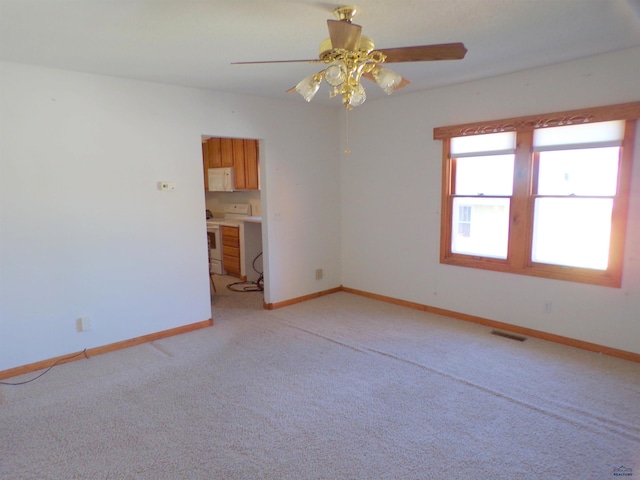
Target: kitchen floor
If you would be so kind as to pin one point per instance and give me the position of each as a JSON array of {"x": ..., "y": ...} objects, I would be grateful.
[{"x": 228, "y": 304}]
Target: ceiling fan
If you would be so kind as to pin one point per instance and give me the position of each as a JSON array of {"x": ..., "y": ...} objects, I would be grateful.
[{"x": 349, "y": 56}]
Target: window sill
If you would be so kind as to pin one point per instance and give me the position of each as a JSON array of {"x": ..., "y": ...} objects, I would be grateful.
[{"x": 554, "y": 272}]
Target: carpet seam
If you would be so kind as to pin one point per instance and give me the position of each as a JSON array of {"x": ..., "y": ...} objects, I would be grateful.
[{"x": 634, "y": 435}]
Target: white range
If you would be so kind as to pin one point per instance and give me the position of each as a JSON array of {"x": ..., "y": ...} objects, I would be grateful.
[{"x": 250, "y": 231}]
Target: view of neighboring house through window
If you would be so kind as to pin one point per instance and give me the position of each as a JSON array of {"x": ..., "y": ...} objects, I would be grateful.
[
  {"x": 482, "y": 187},
  {"x": 548, "y": 198},
  {"x": 464, "y": 221}
]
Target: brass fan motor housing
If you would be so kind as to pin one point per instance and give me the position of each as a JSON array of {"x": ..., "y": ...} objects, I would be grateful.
[{"x": 366, "y": 45}]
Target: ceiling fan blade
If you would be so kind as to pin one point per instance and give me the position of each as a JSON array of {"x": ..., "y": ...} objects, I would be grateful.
[
  {"x": 369, "y": 76},
  {"x": 403, "y": 83},
  {"x": 344, "y": 35},
  {"x": 315, "y": 60},
  {"x": 422, "y": 53}
]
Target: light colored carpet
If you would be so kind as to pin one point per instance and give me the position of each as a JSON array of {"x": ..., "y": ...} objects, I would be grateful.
[
  {"x": 227, "y": 304},
  {"x": 340, "y": 387}
]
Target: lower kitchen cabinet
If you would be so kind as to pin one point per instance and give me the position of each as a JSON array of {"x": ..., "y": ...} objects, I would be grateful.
[{"x": 231, "y": 250}]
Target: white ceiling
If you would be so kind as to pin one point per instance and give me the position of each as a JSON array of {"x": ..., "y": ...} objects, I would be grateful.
[{"x": 193, "y": 42}]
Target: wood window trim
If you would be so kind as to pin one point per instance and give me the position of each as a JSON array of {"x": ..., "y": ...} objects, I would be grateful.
[
  {"x": 621, "y": 111},
  {"x": 522, "y": 204}
]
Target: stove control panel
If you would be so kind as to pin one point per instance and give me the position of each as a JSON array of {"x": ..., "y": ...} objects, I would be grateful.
[{"x": 237, "y": 209}]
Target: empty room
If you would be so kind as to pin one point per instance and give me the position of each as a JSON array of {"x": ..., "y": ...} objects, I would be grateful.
[{"x": 300, "y": 239}]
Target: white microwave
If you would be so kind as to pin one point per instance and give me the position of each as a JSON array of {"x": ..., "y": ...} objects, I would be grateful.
[{"x": 221, "y": 179}]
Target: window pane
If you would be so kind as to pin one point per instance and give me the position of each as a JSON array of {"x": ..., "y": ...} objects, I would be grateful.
[
  {"x": 475, "y": 144},
  {"x": 492, "y": 175},
  {"x": 480, "y": 227},
  {"x": 589, "y": 133},
  {"x": 589, "y": 171},
  {"x": 572, "y": 232}
]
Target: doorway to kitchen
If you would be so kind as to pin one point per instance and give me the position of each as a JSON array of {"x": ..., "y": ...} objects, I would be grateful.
[{"x": 234, "y": 224}]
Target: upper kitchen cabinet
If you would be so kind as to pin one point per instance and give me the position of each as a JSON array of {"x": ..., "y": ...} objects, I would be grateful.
[
  {"x": 220, "y": 152},
  {"x": 205, "y": 163},
  {"x": 245, "y": 155},
  {"x": 212, "y": 155},
  {"x": 239, "y": 153}
]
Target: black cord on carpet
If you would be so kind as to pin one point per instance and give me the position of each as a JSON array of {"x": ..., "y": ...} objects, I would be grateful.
[
  {"x": 257, "y": 286},
  {"x": 84, "y": 352}
]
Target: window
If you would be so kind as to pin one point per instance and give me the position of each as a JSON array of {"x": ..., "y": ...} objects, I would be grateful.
[{"x": 543, "y": 195}]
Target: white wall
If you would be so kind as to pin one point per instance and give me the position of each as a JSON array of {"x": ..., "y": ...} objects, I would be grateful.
[
  {"x": 391, "y": 203},
  {"x": 84, "y": 231}
]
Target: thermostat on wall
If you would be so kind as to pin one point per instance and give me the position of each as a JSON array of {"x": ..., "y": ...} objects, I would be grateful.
[{"x": 166, "y": 186}]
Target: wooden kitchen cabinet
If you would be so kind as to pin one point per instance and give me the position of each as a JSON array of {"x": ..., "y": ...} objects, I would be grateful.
[
  {"x": 245, "y": 157},
  {"x": 205, "y": 163},
  {"x": 239, "y": 153},
  {"x": 252, "y": 174},
  {"x": 226, "y": 152},
  {"x": 231, "y": 250},
  {"x": 238, "y": 164},
  {"x": 220, "y": 152}
]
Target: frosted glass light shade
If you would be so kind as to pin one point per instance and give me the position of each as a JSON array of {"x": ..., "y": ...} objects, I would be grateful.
[
  {"x": 308, "y": 87},
  {"x": 358, "y": 96},
  {"x": 335, "y": 74},
  {"x": 386, "y": 79}
]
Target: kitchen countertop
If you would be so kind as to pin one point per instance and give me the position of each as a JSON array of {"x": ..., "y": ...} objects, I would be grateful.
[{"x": 234, "y": 221}]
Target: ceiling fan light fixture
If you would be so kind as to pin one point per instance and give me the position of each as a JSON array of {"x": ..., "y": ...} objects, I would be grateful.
[
  {"x": 309, "y": 86},
  {"x": 387, "y": 80},
  {"x": 348, "y": 56},
  {"x": 335, "y": 74},
  {"x": 366, "y": 44},
  {"x": 357, "y": 96}
]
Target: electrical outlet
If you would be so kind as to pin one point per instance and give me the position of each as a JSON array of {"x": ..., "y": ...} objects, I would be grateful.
[
  {"x": 83, "y": 324},
  {"x": 319, "y": 274}
]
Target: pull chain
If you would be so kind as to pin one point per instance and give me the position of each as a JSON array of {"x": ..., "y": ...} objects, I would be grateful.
[{"x": 346, "y": 150}]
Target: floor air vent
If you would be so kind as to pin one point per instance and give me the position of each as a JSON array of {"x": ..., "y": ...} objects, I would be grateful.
[{"x": 510, "y": 336}]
